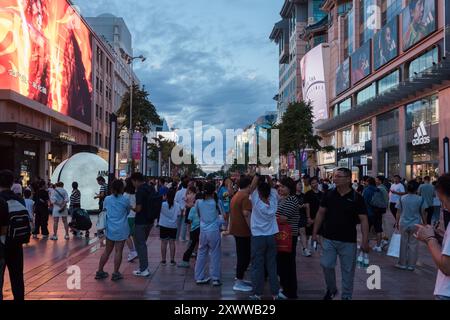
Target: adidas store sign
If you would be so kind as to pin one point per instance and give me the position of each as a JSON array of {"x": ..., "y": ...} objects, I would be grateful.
[{"x": 421, "y": 136}]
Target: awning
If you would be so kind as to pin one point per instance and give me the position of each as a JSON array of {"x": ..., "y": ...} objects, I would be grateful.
[
  {"x": 405, "y": 90},
  {"x": 17, "y": 130}
]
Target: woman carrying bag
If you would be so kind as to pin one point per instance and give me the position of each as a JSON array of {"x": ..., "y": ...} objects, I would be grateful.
[{"x": 288, "y": 212}]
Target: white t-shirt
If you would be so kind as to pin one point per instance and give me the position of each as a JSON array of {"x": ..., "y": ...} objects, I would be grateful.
[
  {"x": 132, "y": 199},
  {"x": 29, "y": 205},
  {"x": 442, "y": 287},
  {"x": 263, "y": 221},
  {"x": 169, "y": 216},
  {"x": 397, "y": 187},
  {"x": 179, "y": 198},
  {"x": 16, "y": 188}
]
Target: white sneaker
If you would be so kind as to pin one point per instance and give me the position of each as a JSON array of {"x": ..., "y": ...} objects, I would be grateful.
[
  {"x": 377, "y": 249},
  {"x": 306, "y": 253},
  {"x": 139, "y": 273},
  {"x": 132, "y": 255},
  {"x": 203, "y": 281},
  {"x": 242, "y": 286}
]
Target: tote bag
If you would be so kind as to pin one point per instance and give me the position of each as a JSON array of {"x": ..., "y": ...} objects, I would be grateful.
[
  {"x": 101, "y": 222},
  {"x": 284, "y": 238},
  {"x": 394, "y": 245}
]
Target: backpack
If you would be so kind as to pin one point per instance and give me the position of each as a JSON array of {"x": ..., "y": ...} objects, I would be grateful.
[
  {"x": 82, "y": 219},
  {"x": 379, "y": 200},
  {"x": 19, "y": 229}
]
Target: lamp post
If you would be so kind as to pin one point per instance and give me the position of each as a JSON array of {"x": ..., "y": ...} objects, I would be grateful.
[{"x": 129, "y": 60}]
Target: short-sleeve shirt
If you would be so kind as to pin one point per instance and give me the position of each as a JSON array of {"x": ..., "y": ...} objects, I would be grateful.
[
  {"x": 238, "y": 225},
  {"x": 442, "y": 287},
  {"x": 41, "y": 200},
  {"x": 194, "y": 218},
  {"x": 117, "y": 208},
  {"x": 342, "y": 215},
  {"x": 168, "y": 216},
  {"x": 313, "y": 199},
  {"x": 426, "y": 190},
  {"x": 144, "y": 196},
  {"x": 263, "y": 221},
  {"x": 411, "y": 206},
  {"x": 132, "y": 199},
  {"x": 75, "y": 197},
  {"x": 290, "y": 208},
  {"x": 397, "y": 187}
]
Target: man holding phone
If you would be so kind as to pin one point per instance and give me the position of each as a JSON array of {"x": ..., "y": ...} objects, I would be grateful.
[{"x": 340, "y": 212}]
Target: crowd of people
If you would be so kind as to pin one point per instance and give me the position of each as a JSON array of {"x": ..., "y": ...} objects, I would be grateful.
[{"x": 312, "y": 214}]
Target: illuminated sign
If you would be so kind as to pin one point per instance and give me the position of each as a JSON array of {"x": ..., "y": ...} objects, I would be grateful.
[{"x": 45, "y": 55}]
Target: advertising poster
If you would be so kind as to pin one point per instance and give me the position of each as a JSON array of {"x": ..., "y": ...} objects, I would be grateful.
[
  {"x": 45, "y": 55},
  {"x": 385, "y": 44},
  {"x": 361, "y": 63},
  {"x": 419, "y": 20},
  {"x": 343, "y": 77}
]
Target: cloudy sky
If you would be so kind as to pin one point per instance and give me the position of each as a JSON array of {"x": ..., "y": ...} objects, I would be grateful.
[{"x": 207, "y": 60}]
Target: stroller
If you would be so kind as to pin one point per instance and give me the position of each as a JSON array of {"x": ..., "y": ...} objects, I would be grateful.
[{"x": 80, "y": 222}]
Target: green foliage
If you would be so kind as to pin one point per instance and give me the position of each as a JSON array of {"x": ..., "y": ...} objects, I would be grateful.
[
  {"x": 296, "y": 129},
  {"x": 144, "y": 113}
]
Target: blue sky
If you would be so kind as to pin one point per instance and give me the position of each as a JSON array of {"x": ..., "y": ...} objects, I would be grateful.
[{"x": 207, "y": 60}]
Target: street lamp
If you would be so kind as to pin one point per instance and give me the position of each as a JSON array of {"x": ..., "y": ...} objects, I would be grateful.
[{"x": 129, "y": 60}]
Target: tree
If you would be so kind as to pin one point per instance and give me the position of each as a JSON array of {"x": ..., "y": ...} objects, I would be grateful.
[
  {"x": 143, "y": 114},
  {"x": 296, "y": 131}
]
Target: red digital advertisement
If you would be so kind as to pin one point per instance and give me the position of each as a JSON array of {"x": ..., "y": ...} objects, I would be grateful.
[{"x": 45, "y": 55}]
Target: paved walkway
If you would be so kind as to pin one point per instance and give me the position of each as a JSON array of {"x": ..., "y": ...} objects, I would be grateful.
[{"x": 46, "y": 264}]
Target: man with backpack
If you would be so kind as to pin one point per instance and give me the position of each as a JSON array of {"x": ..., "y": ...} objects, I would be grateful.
[{"x": 14, "y": 232}]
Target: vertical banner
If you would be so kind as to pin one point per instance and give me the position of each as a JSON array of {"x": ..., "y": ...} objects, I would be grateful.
[
  {"x": 144, "y": 156},
  {"x": 137, "y": 146},
  {"x": 112, "y": 148}
]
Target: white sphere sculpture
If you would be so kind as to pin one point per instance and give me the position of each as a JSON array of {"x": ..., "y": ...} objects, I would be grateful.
[{"x": 83, "y": 168}]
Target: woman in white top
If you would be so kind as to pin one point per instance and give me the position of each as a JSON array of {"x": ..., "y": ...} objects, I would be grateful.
[
  {"x": 130, "y": 194},
  {"x": 170, "y": 212},
  {"x": 440, "y": 253}
]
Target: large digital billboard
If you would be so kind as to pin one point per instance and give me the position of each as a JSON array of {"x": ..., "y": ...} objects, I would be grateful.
[
  {"x": 343, "y": 76},
  {"x": 385, "y": 44},
  {"x": 361, "y": 63},
  {"x": 45, "y": 55},
  {"x": 419, "y": 20},
  {"x": 314, "y": 84}
]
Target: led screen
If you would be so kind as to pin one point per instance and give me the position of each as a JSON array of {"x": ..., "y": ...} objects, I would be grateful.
[{"x": 45, "y": 55}]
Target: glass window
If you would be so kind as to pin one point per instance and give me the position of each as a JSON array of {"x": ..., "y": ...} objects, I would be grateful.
[
  {"x": 365, "y": 13},
  {"x": 394, "y": 7},
  {"x": 366, "y": 93},
  {"x": 364, "y": 132},
  {"x": 389, "y": 81},
  {"x": 318, "y": 14},
  {"x": 343, "y": 8},
  {"x": 423, "y": 62},
  {"x": 335, "y": 110},
  {"x": 347, "y": 137},
  {"x": 350, "y": 31},
  {"x": 345, "y": 105},
  {"x": 425, "y": 110}
]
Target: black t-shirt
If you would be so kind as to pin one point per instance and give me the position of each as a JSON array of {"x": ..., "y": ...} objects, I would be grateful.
[
  {"x": 342, "y": 215},
  {"x": 41, "y": 200},
  {"x": 313, "y": 199},
  {"x": 146, "y": 197}
]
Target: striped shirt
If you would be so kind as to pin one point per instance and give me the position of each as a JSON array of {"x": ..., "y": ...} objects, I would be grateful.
[
  {"x": 104, "y": 188},
  {"x": 289, "y": 207},
  {"x": 75, "y": 198}
]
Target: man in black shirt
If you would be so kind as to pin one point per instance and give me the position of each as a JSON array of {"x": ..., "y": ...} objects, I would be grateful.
[
  {"x": 146, "y": 213},
  {"x": 313, "y": 198},
  {"x": 41, "y": 199},
  {"x": 11, "y": 253},
  {"x": 340, "y": 211}
]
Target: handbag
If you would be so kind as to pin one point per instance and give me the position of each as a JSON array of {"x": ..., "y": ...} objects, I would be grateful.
[
  {"x": 284, "y": 238},
  {"x": 394, "y": 245},
  {"x": 101, "y": 222}
]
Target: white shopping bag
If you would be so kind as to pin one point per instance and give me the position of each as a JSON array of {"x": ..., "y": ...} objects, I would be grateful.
[{"x": 394, "y": 246}]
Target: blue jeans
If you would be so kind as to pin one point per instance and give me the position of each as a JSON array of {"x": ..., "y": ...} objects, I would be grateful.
[
  {"x": 264, "y": 253},
  {"x": 141, "y": 233}
]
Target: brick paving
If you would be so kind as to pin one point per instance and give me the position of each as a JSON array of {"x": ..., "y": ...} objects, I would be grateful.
[{"x": 46, "y": 263}]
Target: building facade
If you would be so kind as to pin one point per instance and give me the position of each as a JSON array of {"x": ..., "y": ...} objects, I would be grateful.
[{"x": 389, "y": 87}]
